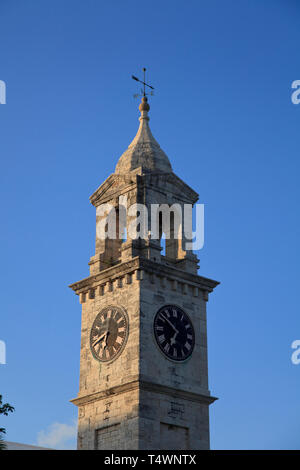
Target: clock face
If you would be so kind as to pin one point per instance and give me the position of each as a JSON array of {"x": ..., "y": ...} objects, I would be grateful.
[
  {"x": 109, "y": 333},
  {"x": 174, "y": 332}
]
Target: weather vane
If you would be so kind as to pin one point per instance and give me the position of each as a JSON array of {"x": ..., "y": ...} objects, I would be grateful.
[{"x": 145, "y": 84}]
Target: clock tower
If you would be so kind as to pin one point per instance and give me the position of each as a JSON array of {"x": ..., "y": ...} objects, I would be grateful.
[{"x": 143, "y": 360}]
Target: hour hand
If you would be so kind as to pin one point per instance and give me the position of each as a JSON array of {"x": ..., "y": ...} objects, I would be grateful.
[
  {"x": 104, "y": 344},
  {"x": 173, "y": 339},
  {"x": 100, "y": 338}
]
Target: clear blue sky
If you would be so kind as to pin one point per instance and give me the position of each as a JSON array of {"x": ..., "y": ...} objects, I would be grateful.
[{"x": 222, "y": 72}]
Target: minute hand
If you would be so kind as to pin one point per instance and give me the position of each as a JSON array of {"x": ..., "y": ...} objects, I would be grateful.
[{"x": 170, "y": 323}]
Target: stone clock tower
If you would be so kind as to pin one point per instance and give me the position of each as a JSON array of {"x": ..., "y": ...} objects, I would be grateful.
[{"x": 143, "y": 360}]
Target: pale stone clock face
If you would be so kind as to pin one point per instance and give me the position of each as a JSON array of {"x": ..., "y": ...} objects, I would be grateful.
[
  {"x": 174, "y": 333},
  {"x": 109, "y": 333}
]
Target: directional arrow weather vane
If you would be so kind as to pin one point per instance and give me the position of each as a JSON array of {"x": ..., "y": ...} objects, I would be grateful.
[{"x": 144, "y": 83}]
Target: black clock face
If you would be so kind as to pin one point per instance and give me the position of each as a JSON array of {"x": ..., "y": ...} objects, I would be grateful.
[
  {"x": 174, "y": 333},
  {"x": 109, "y": 333}
]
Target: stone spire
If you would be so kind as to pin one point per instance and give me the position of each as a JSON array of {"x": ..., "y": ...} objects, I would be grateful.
[{"x": 144, "y": 151}]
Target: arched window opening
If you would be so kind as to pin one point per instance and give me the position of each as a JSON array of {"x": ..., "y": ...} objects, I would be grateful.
[
  {"x": 163, "y": 244},
  {"x": 124, "y": 235}
]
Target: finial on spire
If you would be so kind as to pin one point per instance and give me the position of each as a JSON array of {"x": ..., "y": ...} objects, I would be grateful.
[{"x": 144, "y": 106}]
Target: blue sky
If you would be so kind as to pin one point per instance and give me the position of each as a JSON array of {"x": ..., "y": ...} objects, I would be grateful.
[{"x": 222, "y": 72}]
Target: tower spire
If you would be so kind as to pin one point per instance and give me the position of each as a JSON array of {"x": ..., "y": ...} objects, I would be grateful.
[{"x": 144, "y": 151}]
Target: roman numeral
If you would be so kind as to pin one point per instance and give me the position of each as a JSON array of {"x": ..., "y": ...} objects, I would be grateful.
[
  {"x": 166, "y": 348},
  {"x": 114, "y": 314},
  {"x": 161, "y": 338}
]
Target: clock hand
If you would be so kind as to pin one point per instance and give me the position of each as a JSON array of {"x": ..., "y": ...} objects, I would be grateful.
[
  {"x": 100, "y": 338},
  {"x": 173, "y": 339},
  {"x": 166, "y": 319},
  {"x": 104, "y": 344}
]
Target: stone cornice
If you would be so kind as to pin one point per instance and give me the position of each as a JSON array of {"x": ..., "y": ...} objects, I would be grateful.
[
  {"x": 161, "y": 269},
  {"x": 177, "y": 393},
  {"x": 142, "y": 264},
  {"x": 106, "y": 275},
  {"x": 145, "y": 386}
]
